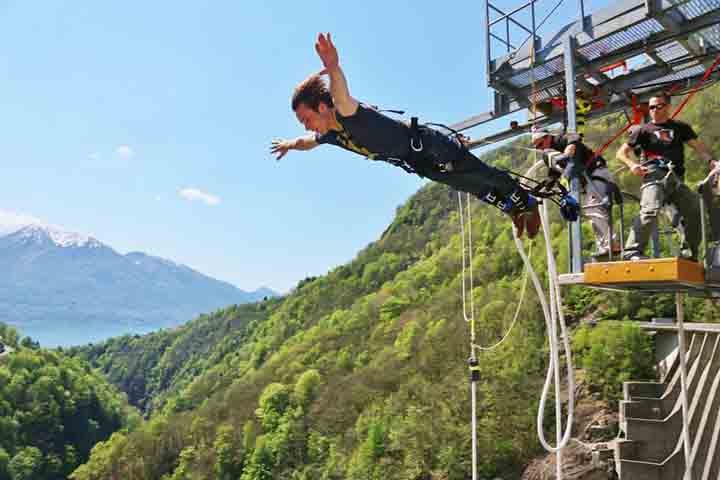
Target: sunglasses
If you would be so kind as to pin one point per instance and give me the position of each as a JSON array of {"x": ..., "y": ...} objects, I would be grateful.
[{"x": 657, "y": 107}]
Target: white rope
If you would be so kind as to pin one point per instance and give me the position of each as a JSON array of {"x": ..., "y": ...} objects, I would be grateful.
[
  {"x": 471, "y": 317},
  {"x": 551, "y": 316},
  {"x": 552, "y": 270},
  {"x": 471, "y": 320},
  {"x": 515, "y": 317},
  {"x": 552, "y": 313}
]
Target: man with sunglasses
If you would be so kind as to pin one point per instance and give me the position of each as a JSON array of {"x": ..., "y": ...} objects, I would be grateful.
[
  {"x": 334, "y": 117},
  {"x": 661, "y": 144},
  {"x": 570, "y": 157}
]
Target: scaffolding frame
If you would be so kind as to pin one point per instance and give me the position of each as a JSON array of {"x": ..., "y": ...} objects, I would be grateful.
[
  {"x": 666, "y": 42},
  {"x": 673, "y": 42}
]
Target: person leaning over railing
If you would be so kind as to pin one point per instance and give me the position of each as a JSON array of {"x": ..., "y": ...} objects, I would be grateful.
[
  {"x": 661, "y": 143},
  {"x": 570, "y": 156}
]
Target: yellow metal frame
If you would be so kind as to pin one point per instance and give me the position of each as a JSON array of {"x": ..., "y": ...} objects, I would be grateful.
[{"x": 654, "y": 270}]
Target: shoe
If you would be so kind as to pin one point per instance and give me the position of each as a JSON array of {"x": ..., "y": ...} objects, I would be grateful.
[
  {"x": 687, "y": 254},
  {"x": 634, "y": 256},
  {"x": 518, "y": 220},
  {"x": 532, "y": 222},
  {"x": 527, "y": 221},
  {"x": 603, "y": 251}
]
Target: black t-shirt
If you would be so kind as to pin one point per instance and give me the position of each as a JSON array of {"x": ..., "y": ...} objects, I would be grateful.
[
  {"x": 666, "y": 140},
  {"x": 371, "y": 134},
  {"x": 584, "y": 153}
]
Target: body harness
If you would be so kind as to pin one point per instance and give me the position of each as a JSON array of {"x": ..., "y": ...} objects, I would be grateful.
[{"x": 550, "y": 189}]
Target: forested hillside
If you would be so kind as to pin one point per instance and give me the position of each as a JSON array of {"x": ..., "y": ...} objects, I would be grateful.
[
  {"x": 53, "y": 410},
  {"x": 361, "y": 373}
]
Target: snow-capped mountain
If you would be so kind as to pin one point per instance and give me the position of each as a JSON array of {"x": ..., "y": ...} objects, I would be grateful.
[
  {"x": 65, "y": 288},
  {"x": 40, "y": 233}
]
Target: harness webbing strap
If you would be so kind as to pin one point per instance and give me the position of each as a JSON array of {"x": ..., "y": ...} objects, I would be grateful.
[{"x": 415, "y": 150}]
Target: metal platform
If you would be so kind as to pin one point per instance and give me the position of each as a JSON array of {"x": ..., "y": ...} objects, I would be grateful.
[
  {"x": 673, "y": 327},
  {"x": 662, "y": 42},
  {"x": 666, "y": 275},
  {"x": 662, "y": 45}
]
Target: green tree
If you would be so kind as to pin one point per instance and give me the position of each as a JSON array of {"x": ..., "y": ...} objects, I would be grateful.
[
  {"x": 260, "y": 464},
  {"x": 306, "y": 387},
  {"x": 4, "y": 465},
  {"x": 228, "y": 455},
  {"x": 272, "y": 404},
  {"x": 27, "y": 464}
]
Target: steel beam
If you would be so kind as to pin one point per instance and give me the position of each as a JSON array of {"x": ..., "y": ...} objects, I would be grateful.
[
  {"x": 473, "y": 121},
  {"x": 575, "y": 227},
  {"x": 633, "y": 17},
  {"x": 487, "y": 42},
  {"x": 673, "y": 20},
  {"x": 615, "y": 103}
]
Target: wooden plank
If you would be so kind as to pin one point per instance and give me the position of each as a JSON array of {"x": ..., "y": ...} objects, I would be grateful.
[{"x": 651, "y": 271}]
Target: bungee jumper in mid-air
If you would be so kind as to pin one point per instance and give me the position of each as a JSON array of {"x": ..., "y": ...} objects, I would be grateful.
[{"x": 335, "y": 117}]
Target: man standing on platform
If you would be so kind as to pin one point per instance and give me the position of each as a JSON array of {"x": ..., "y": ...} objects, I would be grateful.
[{"x": 662, "y": 145}]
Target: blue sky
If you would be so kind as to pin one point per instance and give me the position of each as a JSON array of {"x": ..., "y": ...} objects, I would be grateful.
[{"x": 147, "y": 124}]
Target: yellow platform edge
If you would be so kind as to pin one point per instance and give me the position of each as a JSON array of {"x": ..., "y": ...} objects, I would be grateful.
[{"x": 645, "y": 271}]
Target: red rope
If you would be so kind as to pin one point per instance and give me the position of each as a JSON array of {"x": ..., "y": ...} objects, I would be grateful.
[
  {"x": 708, "y": 72},
  {"x": 636, "y": 119},
  {"x": 602, "y": 149},
  {"x": 636, "y": 110}
]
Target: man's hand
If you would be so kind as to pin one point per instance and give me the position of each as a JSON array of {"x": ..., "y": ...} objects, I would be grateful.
[
  {"x": 280, "y": 148},
  {"x": 327, "y": 52},
  {"x": 464, "y": 139},
  {"x": 639, "y": 170}
]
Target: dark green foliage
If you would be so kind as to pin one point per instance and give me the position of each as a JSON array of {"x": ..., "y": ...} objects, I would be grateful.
[
  {"x": 53, "y": 409},
  {"x": 151, "y": 367},
  {"x": 612, "y": 353}
]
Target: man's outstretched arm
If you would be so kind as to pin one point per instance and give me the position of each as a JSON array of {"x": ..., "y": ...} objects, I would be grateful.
[
  {"x": 344, "y": 103},
  {"x": 702, "y": 150},
  {"x": 281, "y": 147}
]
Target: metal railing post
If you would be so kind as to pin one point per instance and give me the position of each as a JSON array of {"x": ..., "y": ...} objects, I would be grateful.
[{"x": 575, "y": 227}]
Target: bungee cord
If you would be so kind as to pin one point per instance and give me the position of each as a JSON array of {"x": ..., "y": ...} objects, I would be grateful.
[
  {"x": 467, "y": 245},
  {"x": 552, "y": 312}
]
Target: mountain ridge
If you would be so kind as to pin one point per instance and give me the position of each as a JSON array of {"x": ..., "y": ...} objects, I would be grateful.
[{"x": 62, "y": 287}]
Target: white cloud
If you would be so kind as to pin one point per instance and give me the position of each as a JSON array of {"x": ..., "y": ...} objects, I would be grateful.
[
  {"x": 94, "y": 156},
  {"x": 195, "y": 194},
  {"x": 125, "y": 152}
]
